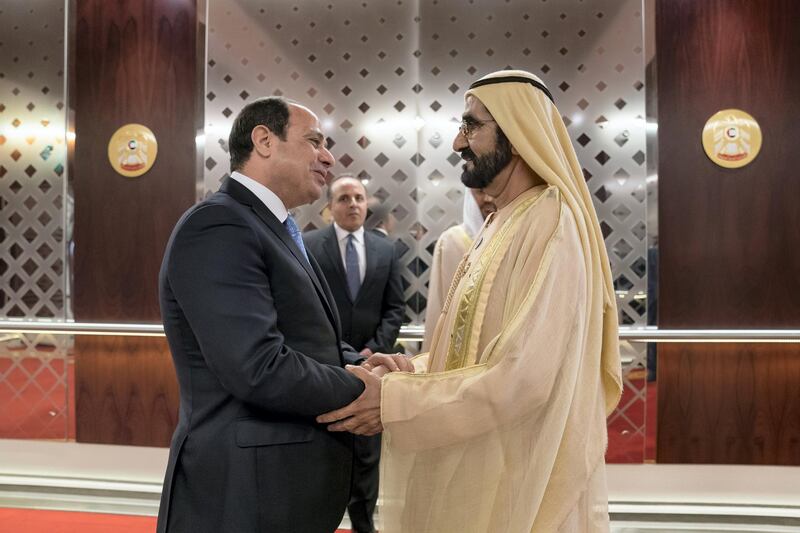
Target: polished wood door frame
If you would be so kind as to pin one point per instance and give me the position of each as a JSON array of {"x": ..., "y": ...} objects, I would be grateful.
[
  {"x": 129, "y": 62},
  {"x": 729, "y": 239}
]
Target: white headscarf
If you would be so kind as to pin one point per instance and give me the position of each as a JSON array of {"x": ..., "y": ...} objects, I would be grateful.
[{"x": 471, "y": 214}]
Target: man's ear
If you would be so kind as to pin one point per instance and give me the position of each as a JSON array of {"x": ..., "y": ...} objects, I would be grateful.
[{"x": 263, "y": 140}]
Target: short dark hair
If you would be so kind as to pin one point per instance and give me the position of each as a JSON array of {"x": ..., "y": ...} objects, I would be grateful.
[
  {"x": 329, "y": 190},
  {"x": 272, "y": 112}
]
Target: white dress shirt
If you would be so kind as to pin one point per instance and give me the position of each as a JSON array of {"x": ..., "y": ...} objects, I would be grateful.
[
  {"x": 267, "y": 197},
  {"x": 358, "y": 242}
]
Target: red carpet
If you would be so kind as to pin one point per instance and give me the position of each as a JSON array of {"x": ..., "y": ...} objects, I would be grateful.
[{"x": 28, "y": 521}]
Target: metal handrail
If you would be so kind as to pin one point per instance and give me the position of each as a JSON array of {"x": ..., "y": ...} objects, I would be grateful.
[{"x": 416, "y": 332}]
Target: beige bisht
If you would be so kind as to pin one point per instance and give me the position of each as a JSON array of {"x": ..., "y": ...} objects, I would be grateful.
[{"x": 504, "y": 428}]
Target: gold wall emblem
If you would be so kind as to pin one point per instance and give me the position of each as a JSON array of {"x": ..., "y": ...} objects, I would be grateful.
[
  {"x": 132, "y": 150},
  {"x": 732, "y": 138}
]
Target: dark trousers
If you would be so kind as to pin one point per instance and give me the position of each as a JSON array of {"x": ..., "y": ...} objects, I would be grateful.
[{"x": 364, "y": 493}]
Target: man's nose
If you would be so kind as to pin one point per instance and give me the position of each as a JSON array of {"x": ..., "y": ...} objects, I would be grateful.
[
  {"x": 326, "y": 157},
  {"x": 460, "y": 142}
]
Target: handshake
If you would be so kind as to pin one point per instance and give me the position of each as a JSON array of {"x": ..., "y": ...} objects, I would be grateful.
[{"x": 363, "y": 415}]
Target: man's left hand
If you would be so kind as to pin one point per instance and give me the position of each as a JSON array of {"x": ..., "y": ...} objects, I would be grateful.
[
  {"x": 363, "y": 415},
  {"x": 393, "y": 362}
]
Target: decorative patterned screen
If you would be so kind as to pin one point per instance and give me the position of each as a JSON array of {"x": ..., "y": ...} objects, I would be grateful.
[
  {"x": 32, "y": 158},
  {"x": 33, "y": 368},
  {"x": 387, "y": 81}
]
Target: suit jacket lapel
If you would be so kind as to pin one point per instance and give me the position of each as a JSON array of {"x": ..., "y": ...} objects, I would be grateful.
[
  {"x": 241, "y": 194},
  {"x": 333, "y": 314},
  {"x": 372, "y": 261},
  {"x": 331, "y": 246}
]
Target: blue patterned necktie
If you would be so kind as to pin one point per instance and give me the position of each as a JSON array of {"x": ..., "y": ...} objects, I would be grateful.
[
  {"x": 351, "y": 267},
  {"x": 294, "y": 232}
]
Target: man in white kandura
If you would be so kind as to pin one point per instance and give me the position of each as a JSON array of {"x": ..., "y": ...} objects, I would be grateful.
[
  {"x": 503, "y": 425},
  {"x": 450, "y": 248}
]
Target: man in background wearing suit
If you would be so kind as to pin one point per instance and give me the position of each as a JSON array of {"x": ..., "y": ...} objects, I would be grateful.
[
  {"x": 381, "y": 221},
  {"x": 363, "y": 272},
  {"x": 255, "y": 338}
]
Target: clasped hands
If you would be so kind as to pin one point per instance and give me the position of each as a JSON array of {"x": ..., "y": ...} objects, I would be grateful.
[{"x": 363, "y": 415}]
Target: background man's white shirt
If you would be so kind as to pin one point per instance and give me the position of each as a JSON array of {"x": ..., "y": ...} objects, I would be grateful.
[{"x": 358, "y": 241}]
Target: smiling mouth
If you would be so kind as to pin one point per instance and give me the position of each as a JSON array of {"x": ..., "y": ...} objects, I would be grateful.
[{"x": 131, "y": 167}]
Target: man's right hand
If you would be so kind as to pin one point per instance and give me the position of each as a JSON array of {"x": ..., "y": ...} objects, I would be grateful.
[
  {"x": 391, "y": 362},
  {"x": 363, "y": 415}
]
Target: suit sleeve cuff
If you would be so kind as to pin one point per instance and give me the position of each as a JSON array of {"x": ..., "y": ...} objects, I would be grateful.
[{"x": 353, "y": 358}]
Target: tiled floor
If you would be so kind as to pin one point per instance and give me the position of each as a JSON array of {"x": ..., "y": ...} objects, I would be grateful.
[{"x": 642, "y": 498}]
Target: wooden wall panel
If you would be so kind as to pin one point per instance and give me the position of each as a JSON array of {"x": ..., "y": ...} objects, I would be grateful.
[
  {"x": 729, "y": 239},
  {"x": 135, "y": 62},
  {"x": 130, "y": 62},
  {"x": 729, "y": 404},
  {"x": 127, "y": 391}
]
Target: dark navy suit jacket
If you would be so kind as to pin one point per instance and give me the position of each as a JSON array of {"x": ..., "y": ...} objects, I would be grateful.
[{"x": 255, "y": 339}]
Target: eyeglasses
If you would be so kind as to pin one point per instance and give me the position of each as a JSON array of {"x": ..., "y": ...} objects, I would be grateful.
[{"x": 467, "y": 129}]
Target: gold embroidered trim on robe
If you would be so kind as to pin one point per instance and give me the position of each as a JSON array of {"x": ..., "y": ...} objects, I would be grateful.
[{"x": 463, "y": 340}]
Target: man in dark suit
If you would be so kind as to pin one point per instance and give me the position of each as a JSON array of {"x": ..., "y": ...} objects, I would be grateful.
[
  {"x": 363, "y": 272},
  {"x": 255, "y": 338}
]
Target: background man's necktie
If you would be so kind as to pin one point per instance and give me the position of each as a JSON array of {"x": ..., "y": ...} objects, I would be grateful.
[
  {"x": 294, "y": 232},
  {"x": 351, "y": 267}
]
